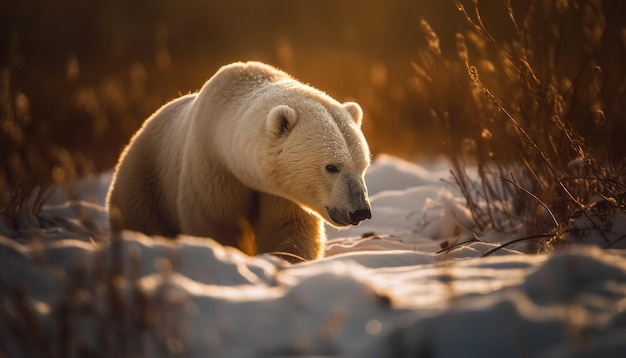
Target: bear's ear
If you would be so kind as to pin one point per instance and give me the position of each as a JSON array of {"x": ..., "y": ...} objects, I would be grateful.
[
  {"x": 281, "y": 120},
  {"x": 355, "y": 111}
]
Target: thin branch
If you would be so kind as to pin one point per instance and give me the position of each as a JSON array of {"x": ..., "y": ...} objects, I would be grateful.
[
  {"x": 458, "y": 244},
  {"x": 533, "y": 237},
  {"x": 512, "y": 182},
  {"x": 615, "y": 241}
]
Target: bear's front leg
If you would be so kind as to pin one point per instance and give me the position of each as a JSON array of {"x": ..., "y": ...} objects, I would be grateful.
[{"x": 284, "y": 227}]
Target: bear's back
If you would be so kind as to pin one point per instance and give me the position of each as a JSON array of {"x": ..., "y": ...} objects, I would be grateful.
[{"x": 241, "y": 77}]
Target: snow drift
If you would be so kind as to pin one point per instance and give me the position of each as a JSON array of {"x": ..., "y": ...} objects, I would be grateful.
[{"x": 381, "y": 291}]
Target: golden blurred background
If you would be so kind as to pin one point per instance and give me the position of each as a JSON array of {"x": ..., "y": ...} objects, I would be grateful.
[{"x": 89, "y": 72}]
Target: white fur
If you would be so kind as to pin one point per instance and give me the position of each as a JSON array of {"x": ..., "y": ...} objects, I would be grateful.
[{"x": 244, "y": 161}]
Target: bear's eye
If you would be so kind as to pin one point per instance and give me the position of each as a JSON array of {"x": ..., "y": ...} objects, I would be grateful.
[{"x": 332, "y": 168}]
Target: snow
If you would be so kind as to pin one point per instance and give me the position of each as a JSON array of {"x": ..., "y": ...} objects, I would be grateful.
[{"x": 382, "y": 290}]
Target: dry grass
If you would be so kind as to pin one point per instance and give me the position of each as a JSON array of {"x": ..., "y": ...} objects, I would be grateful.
[
  {"x": 540, "y": 115},
  {"x": 31, "y": 162}
]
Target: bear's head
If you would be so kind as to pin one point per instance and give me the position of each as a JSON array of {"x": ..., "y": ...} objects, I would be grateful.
[{"x": 319, "y": 156}]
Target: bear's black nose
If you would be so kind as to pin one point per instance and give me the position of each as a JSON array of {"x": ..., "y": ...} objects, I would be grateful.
[{"x": 360, "y": 215}]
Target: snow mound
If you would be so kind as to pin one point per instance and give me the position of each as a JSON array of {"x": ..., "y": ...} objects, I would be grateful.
[
  {"x": 384, "y": 289},
  {"x": 203, "y": 300},
  {"x": 391, "y": 173}
]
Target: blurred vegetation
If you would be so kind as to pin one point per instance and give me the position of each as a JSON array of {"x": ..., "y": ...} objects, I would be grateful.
[
  {"x": 540, "y": 115},
  {"x": 78, "y": 78}
]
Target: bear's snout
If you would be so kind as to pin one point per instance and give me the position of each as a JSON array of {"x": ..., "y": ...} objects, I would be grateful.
[
  {"x": 358, "y": 206},
  {"x": 360, "y": 215},
  {"x": 346, "y": 218}
]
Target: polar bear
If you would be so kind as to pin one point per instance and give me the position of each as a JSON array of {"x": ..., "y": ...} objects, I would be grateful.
[{"x": 254, "y": 160}]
